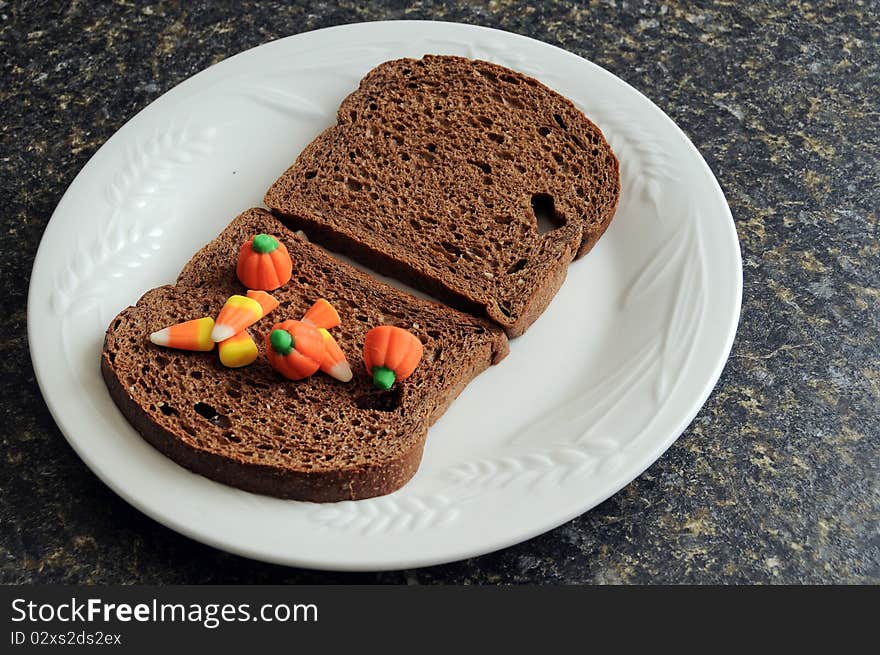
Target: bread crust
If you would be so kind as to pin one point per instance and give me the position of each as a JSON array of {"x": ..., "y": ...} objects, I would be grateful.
[{"x": 313, "y": 486}]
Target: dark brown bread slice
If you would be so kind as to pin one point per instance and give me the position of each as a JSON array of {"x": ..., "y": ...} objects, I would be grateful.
[
  {"x": 434, "y": 174},
  {"x": 316, "y": 439}
]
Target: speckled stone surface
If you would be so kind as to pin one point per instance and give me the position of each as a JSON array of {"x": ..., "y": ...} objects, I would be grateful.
[{"x": 776, "y": 481}]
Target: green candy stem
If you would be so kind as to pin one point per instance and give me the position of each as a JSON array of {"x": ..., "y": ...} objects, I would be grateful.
[
  {"x": 383, "y": 377},
  {"x": 263, "y": 243},
  {"x": 281, "y": 341}
]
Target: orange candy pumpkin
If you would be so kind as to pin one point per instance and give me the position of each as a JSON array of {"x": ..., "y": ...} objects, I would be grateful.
[
  {"x": 263, "y": 263},
  {"x": 391, "y": 354},
  {"x": 295, "y": 349}
]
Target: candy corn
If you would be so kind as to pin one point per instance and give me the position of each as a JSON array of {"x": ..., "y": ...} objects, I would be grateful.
[
  {"x": 191, "y": 335},
  {"x": 238, "y": 313},
  {"x": 267, "y": 302},
  {"x": 334, "y": 363},
  {"x": 238, "y": 350},
  {"x": 322, "y": 315}
]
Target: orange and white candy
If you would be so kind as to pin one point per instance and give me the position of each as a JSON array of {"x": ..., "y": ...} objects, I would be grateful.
[
  {"x": 334, "y": 363},
  {"x": 324, "y": 316},
  {"x": 240, "y": 312},
  {"x": 189, "y": 335}
]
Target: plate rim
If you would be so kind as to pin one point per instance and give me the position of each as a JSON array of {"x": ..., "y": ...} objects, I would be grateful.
[{"x": 623, "y": 476}]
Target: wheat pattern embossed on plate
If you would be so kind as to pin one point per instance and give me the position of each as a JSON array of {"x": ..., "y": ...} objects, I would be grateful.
[{"x": 149, "y": 171}]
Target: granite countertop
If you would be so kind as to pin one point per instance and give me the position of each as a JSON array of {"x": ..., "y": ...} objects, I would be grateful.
[{"x": 776, "y": 479}]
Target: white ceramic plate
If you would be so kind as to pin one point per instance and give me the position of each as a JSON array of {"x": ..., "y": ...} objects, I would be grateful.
[{"x": 596, "y": 391}]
